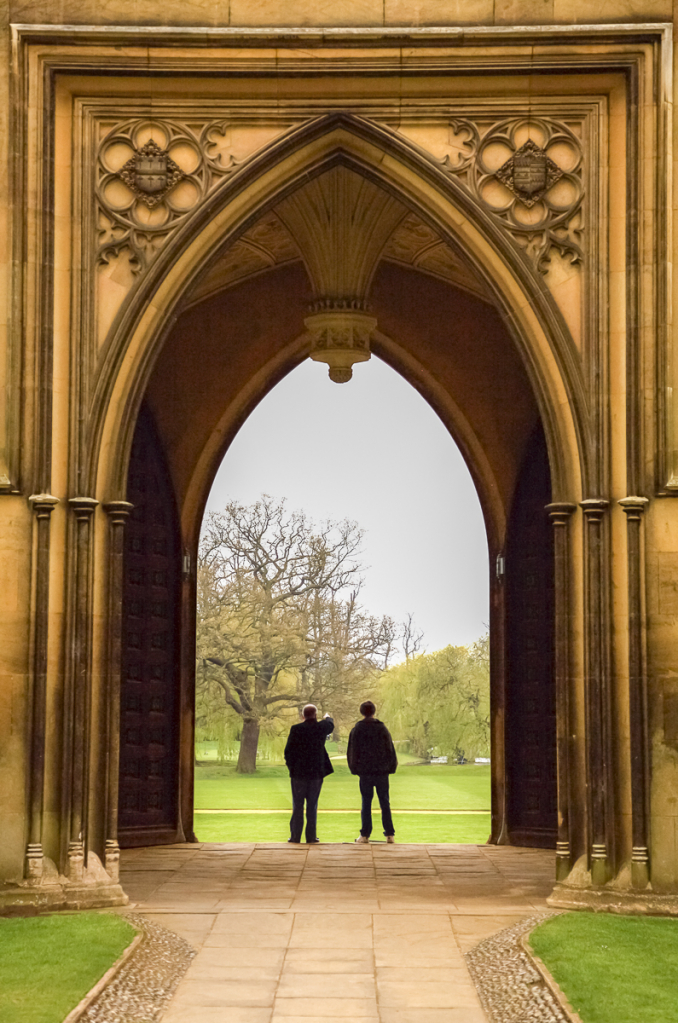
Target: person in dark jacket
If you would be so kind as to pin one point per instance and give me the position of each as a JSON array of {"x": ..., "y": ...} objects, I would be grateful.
[
  {"x": 308, "y": 764},
  {"x": 372, "y": 756}
]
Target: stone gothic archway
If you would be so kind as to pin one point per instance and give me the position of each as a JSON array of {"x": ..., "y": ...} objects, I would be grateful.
[
  {"x": 166, "y": 203},
  {"x": 205, "y": 380}
]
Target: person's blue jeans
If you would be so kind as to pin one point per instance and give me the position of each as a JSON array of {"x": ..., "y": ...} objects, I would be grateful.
[
  {"x": 368, "y": 783},
  {"x": 305, "y": 790}
]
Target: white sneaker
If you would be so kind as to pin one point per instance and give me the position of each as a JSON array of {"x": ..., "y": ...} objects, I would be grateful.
[
  {"x": 362, "y": 840},
  {"x": 390, "y": 839}
]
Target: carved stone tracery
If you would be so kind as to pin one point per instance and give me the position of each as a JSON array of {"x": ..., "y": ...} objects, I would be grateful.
[
  {"x": 152, "y": 173},
  {"x": 526, "y": 171},
  {"x": 512, "y": 169}
]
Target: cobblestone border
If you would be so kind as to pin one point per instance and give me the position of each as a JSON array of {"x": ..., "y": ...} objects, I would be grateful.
[
  {"x": 511, "y": 988},
  {"x": 141, "y": 989}
]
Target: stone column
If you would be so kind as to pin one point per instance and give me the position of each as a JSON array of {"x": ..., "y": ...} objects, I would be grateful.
[
  {"x": 640, "y": 761},
  {"x": 43, "y": 505},
  {"x": 80, "y": 660},
  {"x": 597, "y": 689},
  {"x": 560, "y": 513},
  {"x": 118, "y": 512}
]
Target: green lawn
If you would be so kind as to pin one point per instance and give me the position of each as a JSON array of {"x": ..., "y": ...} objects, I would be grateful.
[
  {"x": 421, "y": 787},
  {"x": 429, "y": 787},
  {"x": 49, "y": 963},
  {"x": 613, "y": 969},
  {"x": 343, "y": 827}
]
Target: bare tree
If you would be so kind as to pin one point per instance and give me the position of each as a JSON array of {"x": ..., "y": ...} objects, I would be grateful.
[
  {"x": 348, "y": 649},
  {"x": 411, "y": 637},
  {"x": 274, "y": 629}
]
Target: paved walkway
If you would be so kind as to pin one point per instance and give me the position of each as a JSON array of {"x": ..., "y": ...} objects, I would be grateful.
[{"x": 333, "y": 932}]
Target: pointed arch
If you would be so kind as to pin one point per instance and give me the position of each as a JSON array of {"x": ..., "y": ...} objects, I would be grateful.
[{"x": 420, "y": 182}]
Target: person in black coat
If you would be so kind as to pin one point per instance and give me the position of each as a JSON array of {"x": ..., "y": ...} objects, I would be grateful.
[
  {"x": 372, "y": 756},
  {"x": 308, "y": 764}
]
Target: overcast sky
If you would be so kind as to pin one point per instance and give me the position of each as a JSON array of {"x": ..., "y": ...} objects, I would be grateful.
[{"x": 374, "y": 451}]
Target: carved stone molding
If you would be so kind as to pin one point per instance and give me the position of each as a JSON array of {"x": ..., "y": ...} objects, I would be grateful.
[
  {"x": 560, "y": 514},
  {"x": 79, "y": 687},
  {"x": 43, "y": 505},
  {"x": 118, "y": 512},
  {"x": 639, "y": 750},
  {"x": 597, "y": 690},
  {"x": 151, "y": 174},
  {"x": 527, "y": 172}
]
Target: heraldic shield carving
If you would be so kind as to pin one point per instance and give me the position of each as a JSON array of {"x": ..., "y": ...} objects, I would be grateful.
[
  {"x": 529, "y": 173},
  {"x": 151, "y": 173}
]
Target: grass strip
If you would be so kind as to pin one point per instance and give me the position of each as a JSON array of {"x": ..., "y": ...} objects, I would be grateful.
[
  {"x": 416, "y": 828},
  {"x": 613, "y": 969},
  {"x": 426, "y": 787},
  {"x": 49, "y": 963},
  {"x": 440, "y": 813}
]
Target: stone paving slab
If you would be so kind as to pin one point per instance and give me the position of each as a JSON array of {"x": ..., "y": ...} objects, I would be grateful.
[{"x": 333, "y": 932}]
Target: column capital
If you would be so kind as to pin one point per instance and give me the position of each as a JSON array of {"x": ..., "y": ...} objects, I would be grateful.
[
  {"x": 594, "y": 507},
  {"x": 83, "y": 507},
  {"x": 118, "y": 511},
  {"x": 43, "y": 504},
  {"x": 559, "y": 511},
  {"x": 634, "y": 506}
]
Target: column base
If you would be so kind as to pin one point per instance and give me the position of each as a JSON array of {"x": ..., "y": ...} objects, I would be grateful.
[
  {"x": 95, "y": 889},
  {"x": 600, "y": 869},
  {"x": 34, "y": 863},
  {"x": 640, "y": 867},
  {"x": 113, "y": 859},
  {"x": 76, "y": 862},
  {"x": 28, "y": 900},
  {"x": 607, "y": 900},
  {"x": 563, "y": 861}
]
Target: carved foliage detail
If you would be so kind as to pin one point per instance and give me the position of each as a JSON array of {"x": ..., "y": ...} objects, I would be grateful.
[
  {"x": 527, "y": 172},
  {"x": 152, "y": 173}
]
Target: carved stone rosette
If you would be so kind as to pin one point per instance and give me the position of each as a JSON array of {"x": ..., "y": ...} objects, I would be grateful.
[
  {"x": 527, "y": 172},
  {"x": 152, "y": 173}
]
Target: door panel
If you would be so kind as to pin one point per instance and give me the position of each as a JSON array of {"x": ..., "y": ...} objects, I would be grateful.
[
  {"x": 149, "y": 722},
  {"x": 530, "y": 686}
]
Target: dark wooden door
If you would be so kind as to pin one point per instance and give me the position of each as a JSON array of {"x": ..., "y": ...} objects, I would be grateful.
[
  {"x": 530, "y": 686},
  {"x": 149, "y": 715}
]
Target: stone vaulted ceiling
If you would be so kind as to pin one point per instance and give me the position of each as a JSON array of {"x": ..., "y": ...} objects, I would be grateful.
[{"x": 271, "y": 243}]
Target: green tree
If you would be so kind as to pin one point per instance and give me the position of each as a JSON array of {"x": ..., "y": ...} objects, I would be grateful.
[{"x": 440, "y": 702}]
